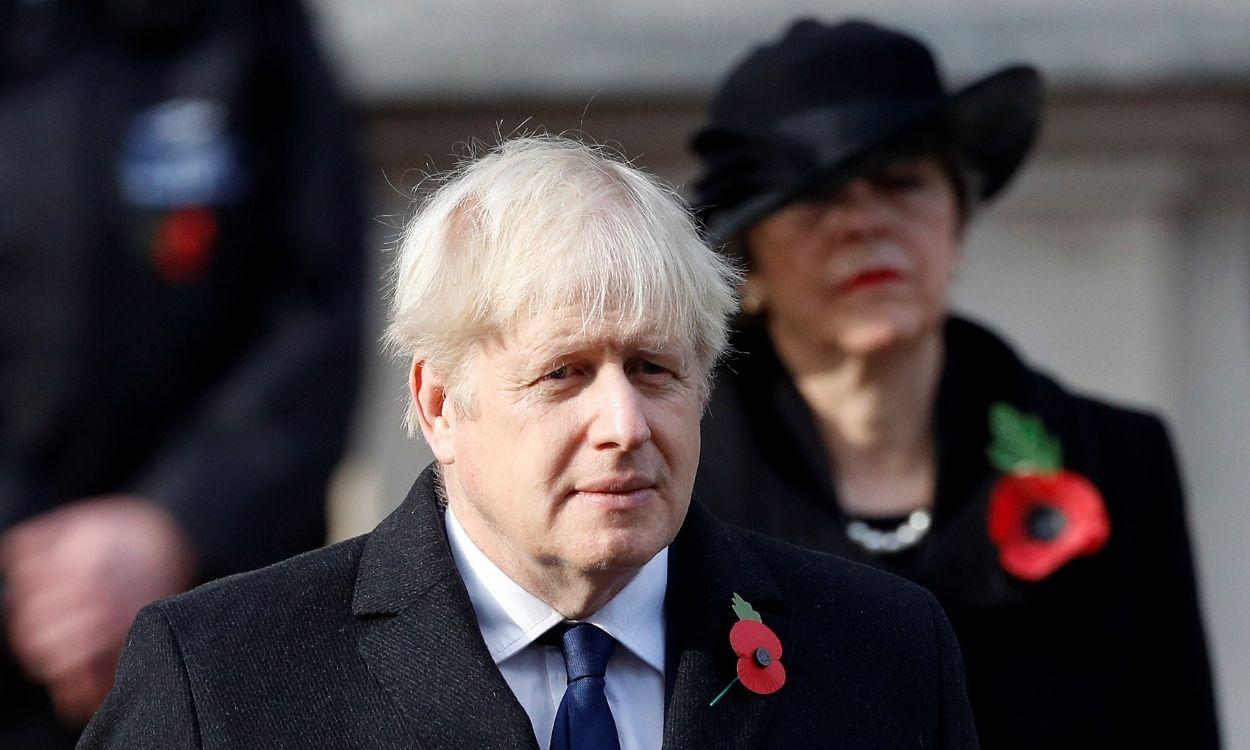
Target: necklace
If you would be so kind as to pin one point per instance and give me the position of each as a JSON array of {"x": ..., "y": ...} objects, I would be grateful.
[{"x": 904, "y": 536}]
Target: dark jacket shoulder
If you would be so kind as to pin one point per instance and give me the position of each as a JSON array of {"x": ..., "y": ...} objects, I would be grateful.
[
  {"x": 269, "y": 628},
  {"x": 267, "y": 658},
  {"x": 974, "y": 345},
  {"x": 319, "y": 581}
]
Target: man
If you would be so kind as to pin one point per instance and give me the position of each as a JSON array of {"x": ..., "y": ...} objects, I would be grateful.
[
  {"x": 548, "y": 583},
  {"x": 179, "y": 321}
]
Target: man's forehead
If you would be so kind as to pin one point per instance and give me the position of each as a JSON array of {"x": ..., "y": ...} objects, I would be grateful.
[
  {"x": 596, "y": 340},
  {"x": 546, "y": 336}
]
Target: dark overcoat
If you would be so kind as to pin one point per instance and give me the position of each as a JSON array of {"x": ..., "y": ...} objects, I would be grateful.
[
  {"x": 373, "y": 643},
  {"x": 180, "y": 279},
  {"x": 1108, "y": 652}
]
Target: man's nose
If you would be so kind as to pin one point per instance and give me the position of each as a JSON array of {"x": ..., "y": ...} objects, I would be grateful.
[{"x": 618, "y": 419}]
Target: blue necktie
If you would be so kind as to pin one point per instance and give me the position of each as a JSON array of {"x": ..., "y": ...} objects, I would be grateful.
[{"x": 584, "y": 720}]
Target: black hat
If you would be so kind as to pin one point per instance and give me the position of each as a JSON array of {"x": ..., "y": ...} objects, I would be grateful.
[{"x": 804, "y": 111}]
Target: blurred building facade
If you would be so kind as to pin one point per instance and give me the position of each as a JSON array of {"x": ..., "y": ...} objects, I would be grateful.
[{"x": 1119, "y": 261}]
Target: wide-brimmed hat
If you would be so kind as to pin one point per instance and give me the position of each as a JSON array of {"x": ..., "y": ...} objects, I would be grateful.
[{"x": 805, "y": 111}]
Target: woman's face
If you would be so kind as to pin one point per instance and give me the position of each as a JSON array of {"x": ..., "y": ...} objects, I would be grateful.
[{"x": 864, "y": 267}]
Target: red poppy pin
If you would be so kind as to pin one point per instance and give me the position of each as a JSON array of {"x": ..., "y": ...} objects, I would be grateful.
[
  {"x": 1041, "y": 515},
  {"x": 759, "y": 653},
  {"x": 182, "y": 250}
]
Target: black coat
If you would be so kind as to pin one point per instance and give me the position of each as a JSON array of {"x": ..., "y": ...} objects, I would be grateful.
[
  {"x": 374, "y": 643},
  {"x": 221, "y": 392},
  {"x": 1108, "y": 652},
  {"x": 222, "y": 395}
]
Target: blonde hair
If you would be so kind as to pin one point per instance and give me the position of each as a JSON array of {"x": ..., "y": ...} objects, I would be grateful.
[{"x": 539, "y": 224}]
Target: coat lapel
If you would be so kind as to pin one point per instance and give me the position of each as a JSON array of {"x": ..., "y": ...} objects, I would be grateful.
[
  {"x": 420, "y": 637},
  {"x": 707, "y": 565}
]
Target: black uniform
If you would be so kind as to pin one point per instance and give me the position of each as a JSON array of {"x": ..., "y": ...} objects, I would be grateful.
[
  {"x": 180, "y": 269},
  {"x": 1107, "y": 652}
]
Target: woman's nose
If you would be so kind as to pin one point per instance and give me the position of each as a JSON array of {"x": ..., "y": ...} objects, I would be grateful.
[{"x": 854, "y": 212}]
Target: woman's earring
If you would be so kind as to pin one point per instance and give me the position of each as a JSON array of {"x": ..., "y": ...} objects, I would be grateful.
[{"x": 752, "y": 297}]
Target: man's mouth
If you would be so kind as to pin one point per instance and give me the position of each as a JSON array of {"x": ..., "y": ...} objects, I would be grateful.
[{"x": 617, "y": 493}]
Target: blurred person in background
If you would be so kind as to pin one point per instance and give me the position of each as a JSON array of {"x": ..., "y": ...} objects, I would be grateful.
[
  {"x": 180, "y": 259},
  {"x": 861, "y": 418}
]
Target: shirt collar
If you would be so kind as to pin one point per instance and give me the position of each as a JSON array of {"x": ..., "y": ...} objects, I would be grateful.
[{"x": 512, "y": 618}]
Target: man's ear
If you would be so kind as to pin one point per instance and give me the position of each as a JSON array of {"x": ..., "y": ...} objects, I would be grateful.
[{"x": 429, "y": 398}]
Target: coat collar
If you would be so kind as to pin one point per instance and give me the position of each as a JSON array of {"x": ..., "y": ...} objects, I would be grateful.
[
  {"x": 978, "y": 369},
  {"x": 421, "y": 640},
  {"x": 512, "y": 618},
  {"x": 420, "y": 636}
]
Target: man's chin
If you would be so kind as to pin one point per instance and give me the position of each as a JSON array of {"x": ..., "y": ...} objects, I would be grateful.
[
  {"x": 620, "y": 553},
  {"x": 609, "y": 539}
]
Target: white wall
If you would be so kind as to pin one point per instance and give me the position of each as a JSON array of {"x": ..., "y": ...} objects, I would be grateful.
[{"x": 483, "y": 50}]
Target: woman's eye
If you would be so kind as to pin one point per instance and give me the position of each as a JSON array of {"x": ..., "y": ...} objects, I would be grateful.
[{"x": 899, "y": 180}]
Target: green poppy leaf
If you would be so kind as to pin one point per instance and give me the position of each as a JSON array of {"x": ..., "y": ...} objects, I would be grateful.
[
  {"x": 1019, "y": 442},
  {"x": 745, "y": 611}
]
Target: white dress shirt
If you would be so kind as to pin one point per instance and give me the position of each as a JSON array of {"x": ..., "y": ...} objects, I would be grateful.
[{"x": 511, "y": 619}]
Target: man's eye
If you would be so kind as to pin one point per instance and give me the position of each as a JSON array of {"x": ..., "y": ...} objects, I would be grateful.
[
  {"x": 651, "y": 368},
  {"x": 560, "y": 373}
]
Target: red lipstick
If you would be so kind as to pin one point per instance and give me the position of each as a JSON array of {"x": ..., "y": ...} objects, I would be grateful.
[{"x": 869, "y": 278}]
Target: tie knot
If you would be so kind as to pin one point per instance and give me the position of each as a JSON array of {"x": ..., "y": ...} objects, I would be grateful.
[{"x": 586, "y": 651}]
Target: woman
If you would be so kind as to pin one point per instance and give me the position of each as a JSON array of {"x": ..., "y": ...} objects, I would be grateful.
[{"x": 861, "y": 419}]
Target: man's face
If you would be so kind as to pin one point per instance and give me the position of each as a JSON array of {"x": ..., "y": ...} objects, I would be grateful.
[
  {"x": 578, "y": 448},
  {"x": 863, "y": 267}
]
